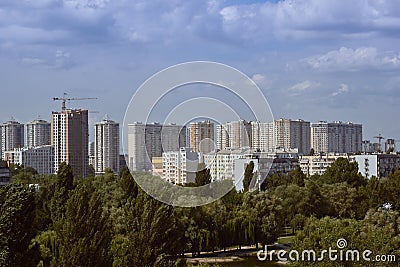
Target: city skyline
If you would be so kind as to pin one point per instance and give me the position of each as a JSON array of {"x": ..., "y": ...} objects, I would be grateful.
[
  {"x": 93, "y": 127},
  {"x": 345, "y": 68}
]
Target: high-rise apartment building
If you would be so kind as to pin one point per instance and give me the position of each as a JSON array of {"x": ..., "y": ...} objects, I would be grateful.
[
  {"x": 234, "y": 135},
  {"x": 291, "y": 134},
  {"x": 146, "y": 141},
  {"x": 262, "y": 136},
  {"x": 91, "y": 154},
  {"x": 38, "y": 133},
  {"x": 12, "y": 136},
  {"x": 201, "y": 136},
  {"x": 106, "y": 148},
  {"x": 337, "y": 137},
  {"x": 70, "y": 137}
]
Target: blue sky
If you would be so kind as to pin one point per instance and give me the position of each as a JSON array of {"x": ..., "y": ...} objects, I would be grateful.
[{"x": 315, "y": 60}]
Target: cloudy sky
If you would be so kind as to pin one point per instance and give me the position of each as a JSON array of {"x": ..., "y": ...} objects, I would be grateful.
[{"x": 315, "y": 60}]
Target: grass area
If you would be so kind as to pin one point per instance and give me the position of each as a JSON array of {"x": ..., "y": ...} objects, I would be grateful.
[{"x": 285, "y": 239}]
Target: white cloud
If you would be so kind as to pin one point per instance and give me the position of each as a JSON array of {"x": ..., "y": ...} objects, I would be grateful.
[
  {"x": 59, "y": 60},
  {"x": 32, "y": 61},
  {"x": 258, "y": 78},
  {"x": 162, "y": 21},
  {"x": 302, "y": 86},
  {"x": 312, "y": 19},
  {"x": 348, "y": 59},
  {"x": 344, "y": 88}
]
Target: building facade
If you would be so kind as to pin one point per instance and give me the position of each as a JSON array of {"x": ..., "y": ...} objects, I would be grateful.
[
  {"x": 234, "y": 135},
  {"x": 146, "y": 141},
  {"x": 12, "y": 136},
  {"x": 336, "y": 137},
  {"x": 4, "y": 173},
  {"x": 179, "y": 167},
  {"x": 262, "y": 136},
  {"x": 230, "y": 165},
  {"x": 291, "y": 134},
  {"x": 41, "y": 158},
  {"x": 317, "y": 164},
  {"x": 201, "y": 136},
  {"x": 378, "y": 165},
  {"x": 222, "y": 163},
  {"x": 38, "y": 133},
  {"x": 106, "y": 146},
  {"x": 70, "y": 138}
]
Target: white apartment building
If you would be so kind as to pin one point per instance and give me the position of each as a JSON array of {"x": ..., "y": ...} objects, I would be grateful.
[
  {"x": 234, "y": 135},
  {"x": 222, "y": 163},
  {"x": 179, "y": 167},
  {"x": 318, "y": 164},
  {"x": 230, "y": 164},
  {"x": 262, "y": 136},
  {"x": 38, "y": 133},
  {"x": 336, "y": 137},
  {"x": 40, "y": 158},
  {"x": 91, "y": 154},
  {"x": 146, "y": 141},
  {"x": 70, "y": 138},
  {"x": 378, "y": 165},
  {"x": 201, "y": 136},
  {"x": 11, "y": 136},
  {"x": 106, "y": 146}
]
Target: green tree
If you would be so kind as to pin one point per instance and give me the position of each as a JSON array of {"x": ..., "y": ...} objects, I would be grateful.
[
  {"x": 150, "y": 229},
  {"x": 203, "y": 175},
  {"x": 128, "y": 184},
  {"x": 342, "y": 170},
  {"x": 17, "y": 212},
  {"x": 342, "y": 200},
  {"x": 248, "y": 176},
  {"x": 260, "y": 218},
  {"x": 91, "y": 171},
  {"x": 297, "y": 177},
  {"x": 64, "y": 184},
  {"x": 312, "y": 152},
  {"x": 378, "y": 232},
  {"x": 83, "y": 234},
  {"x": 295, "y": 201}
]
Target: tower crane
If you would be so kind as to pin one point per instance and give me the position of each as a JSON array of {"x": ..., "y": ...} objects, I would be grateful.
[
  {"x": 379, "y": 137},
  {"x": 65, "y": 99}
]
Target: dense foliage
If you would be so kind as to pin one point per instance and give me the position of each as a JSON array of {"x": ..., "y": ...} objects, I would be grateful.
[{"x": 109, "y": 221}]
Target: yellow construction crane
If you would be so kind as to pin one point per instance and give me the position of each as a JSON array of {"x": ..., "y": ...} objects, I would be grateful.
[{"x": 65, "y": 99}]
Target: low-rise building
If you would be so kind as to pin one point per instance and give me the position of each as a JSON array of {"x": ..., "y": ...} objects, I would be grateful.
[
  {"x": 318, "y": 164},
  {"x": 231, "y": 164},
  {"x": 157, "y": 163},
  {"x": 179, "y": 167},
  {"x": 378, "y": 165},
  {"x": 40, "y": 158},
  {"x": 4, "y": 173}
]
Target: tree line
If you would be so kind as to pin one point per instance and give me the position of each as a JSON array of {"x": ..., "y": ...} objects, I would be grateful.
[{"x": 108, "y": 220}]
